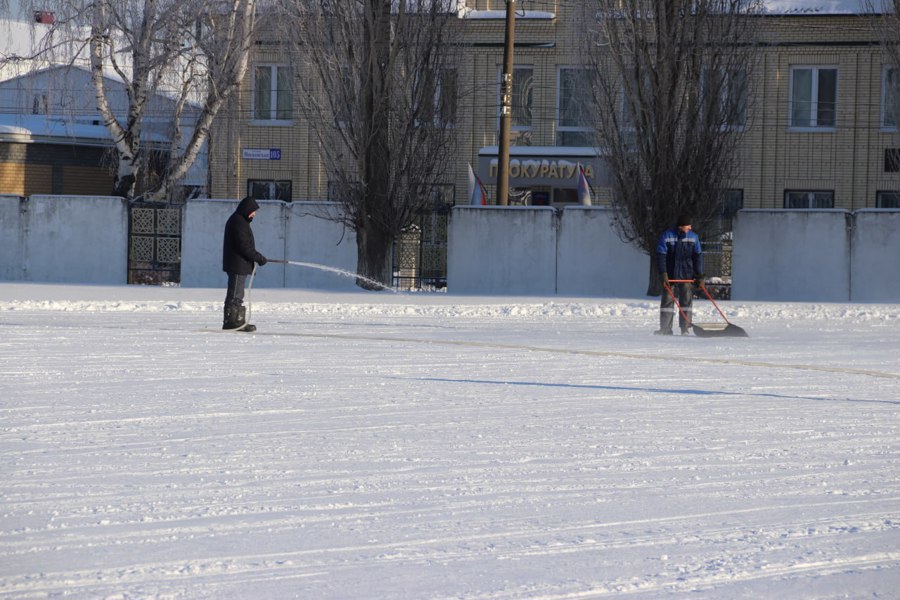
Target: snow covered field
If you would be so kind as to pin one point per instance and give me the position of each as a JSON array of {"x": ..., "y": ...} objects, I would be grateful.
[{"x": 426, "y": 446}]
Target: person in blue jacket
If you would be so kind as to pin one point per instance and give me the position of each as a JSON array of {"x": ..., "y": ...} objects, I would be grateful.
[{"x": 678, "y": 256}]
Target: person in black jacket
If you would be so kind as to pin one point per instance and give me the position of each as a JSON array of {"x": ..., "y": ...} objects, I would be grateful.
[{"x": 238, "y": 255}]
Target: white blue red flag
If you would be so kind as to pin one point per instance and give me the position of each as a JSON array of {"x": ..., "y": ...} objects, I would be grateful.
[
  {"x": 584, "y": 188},
  {"x": 477, "y": 195}
]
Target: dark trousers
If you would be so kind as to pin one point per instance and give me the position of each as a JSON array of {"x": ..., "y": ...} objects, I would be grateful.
[
  {"x": 234, "y": 295},
  {"x": 685, "y": 294}
]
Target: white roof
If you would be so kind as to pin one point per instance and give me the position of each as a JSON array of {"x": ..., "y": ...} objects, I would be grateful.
[
  {"x": 87, "y": 131},
  {"x": 818, "y": 7}
]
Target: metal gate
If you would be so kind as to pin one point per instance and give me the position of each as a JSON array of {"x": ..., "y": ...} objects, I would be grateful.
[
  {"x": 420, "y": 254},
  {"x": 717, "y": 267},
  {"x": 154, "y": 243}
]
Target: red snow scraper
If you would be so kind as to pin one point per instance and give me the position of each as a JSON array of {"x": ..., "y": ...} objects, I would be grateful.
[{"x": 726, "y": 329}]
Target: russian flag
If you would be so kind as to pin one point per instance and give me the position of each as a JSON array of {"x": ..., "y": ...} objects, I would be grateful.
[
  {"x": 584, "y": 188},
  {"x": 477, "y": 196}
]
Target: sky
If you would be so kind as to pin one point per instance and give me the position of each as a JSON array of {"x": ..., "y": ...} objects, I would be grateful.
[{"x": 419, "y": 446}]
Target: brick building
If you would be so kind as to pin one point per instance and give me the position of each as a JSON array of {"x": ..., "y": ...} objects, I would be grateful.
[{"x": 820, "y": 125}]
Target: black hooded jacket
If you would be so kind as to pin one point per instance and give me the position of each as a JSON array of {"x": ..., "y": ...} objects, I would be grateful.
[{"x": 239, "y": 249}]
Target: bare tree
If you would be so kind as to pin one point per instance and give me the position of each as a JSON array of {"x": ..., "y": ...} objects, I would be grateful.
[
  {"x": 886, "y": 23},
  {"x": 669, "y": 85},
  {"x": 196, "y": 52},
  {"x": 378, "y": 87}
]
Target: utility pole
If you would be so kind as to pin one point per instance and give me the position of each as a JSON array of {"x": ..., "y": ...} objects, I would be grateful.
[{"x": 506, "y": 101}]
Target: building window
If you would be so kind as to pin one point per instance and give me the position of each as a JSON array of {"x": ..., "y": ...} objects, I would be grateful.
[
  {"x": 887, "y": 200},
  {"x": 40, "y": 104},
  {"x": 728, "y": 97},
  {"x": 635, "y": 88},
  {"x": 565, "y": 196},
  {"x": 441, "y": 95},
  {"x": 808, "y": 199},
  {"x": 890, "y": 97},
  {"x": 813, "y": 97},
  {"x": 522, "y": 96},
  {"x": 892, "y": 160},
  {"x": 267, "y": 189},
  {"x": 446, "y": 96},
  {"x": 573, "y": 98},
  {"x": 273, "y": 96},
  {"x": 732, "y": 202}
]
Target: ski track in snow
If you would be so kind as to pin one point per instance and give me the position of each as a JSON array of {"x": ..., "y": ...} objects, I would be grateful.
[{"x": 419, "y": 446}]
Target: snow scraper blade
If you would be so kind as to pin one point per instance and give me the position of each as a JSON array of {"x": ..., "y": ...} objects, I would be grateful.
[
  {"x": 718, "y": 330},
  {"x": 726, "y": 329}
]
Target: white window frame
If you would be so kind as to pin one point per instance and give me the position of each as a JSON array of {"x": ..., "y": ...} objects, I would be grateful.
[
  {"x": 273, "y": 95},
  {"x": 813, "y": 125},
  {"x": 810, "y": 199},
  {"x": 560, "y": 127},
  {"x": 893, "y": 197},
  {"x": 887, "y": 95},
  {"x": 273, "y": 186}
]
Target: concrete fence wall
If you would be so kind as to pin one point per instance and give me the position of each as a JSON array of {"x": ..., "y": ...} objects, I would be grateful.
[
  {"x": 875, "y": 260},
  {"x": 592, "y": 260},
  {"x": 817, "y": 255},
  {"x": 800, "y": 255},
  {"x": 502, "y": 250},
  {"x": 11, "y": 238},
  {"x": 538, "y": 251},
  {"x": 779, "y": 255},
  {"x": 301, "y": 232},
  {"x": 64, "y": 239}
]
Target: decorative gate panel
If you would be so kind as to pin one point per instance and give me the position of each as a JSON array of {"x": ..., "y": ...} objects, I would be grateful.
[
  {"x": 420, "y": 254},
  {"x": 154, "y": 248}
]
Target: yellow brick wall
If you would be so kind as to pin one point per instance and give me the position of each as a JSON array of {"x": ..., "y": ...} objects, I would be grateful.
[
  {"x": 25, "y": 180},
  {"x": 87, "y": 181},
  {"x": 773, "y": 158}
]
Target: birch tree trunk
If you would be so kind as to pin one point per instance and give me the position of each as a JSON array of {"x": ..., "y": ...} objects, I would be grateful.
[{"x": 169, "y": 56}]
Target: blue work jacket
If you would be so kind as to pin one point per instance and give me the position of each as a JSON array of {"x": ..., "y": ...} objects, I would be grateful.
[{"x": 679, "y": 254}]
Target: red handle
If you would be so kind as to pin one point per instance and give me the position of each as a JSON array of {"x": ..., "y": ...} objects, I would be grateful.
[
  {"x": 687, "y": 319},
  {"x": 702, "y": 286}
]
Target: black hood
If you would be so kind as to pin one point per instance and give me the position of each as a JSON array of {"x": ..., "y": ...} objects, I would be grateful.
[{"x": 247, "y": 206}]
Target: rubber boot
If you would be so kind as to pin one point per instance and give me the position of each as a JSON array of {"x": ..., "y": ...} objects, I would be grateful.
[
  {"x": 242, "y": 320},
  {"x": 665, "y": 323},
  {"x": 231, "y": 317}
]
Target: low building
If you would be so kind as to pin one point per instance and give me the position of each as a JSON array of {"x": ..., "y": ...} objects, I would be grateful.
[{"x": 53, "y": 141}]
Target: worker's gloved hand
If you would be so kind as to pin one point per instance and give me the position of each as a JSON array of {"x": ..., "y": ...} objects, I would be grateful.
[
  {"x": 261, "y": 260},
  {"x": 699, "y": 279},
  {"x": 664, "y": 277}
]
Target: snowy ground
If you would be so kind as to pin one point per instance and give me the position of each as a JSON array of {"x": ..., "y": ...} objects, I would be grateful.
[{"x": 426, "y": 446}]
